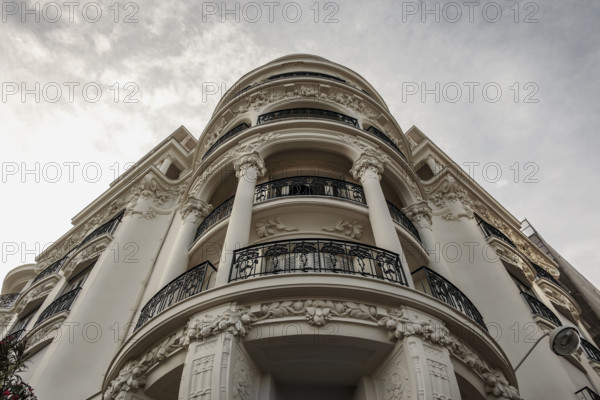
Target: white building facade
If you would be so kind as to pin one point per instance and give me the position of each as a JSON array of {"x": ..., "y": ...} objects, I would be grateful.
[{"x": 303, "y": 247}]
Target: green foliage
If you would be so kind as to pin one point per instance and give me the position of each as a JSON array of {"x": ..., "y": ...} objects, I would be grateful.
[{"x": 12, "y": 361}]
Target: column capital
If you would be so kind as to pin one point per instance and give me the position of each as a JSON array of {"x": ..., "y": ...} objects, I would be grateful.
[
  {"x": 420, "y": 213},
  {"x": 249, "y": 160},
  {"x": 367, "y": 162},
  {"x": 197, "y": 209}
]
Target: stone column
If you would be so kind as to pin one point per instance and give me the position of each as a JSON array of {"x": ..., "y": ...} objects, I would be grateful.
[
  {"x": 164, "y": 167},
  {"x": 248, "y": 168},
  {"x": 420, "y": 215},
  {"x": 192, "y": 213},
  {"x": 368, "y": 169}
]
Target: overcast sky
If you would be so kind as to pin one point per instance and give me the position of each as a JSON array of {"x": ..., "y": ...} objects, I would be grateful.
[{"x": 511, "y": 86}]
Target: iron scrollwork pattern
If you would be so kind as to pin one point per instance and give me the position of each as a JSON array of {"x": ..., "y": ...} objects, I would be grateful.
[
  {"x": 382, "y": 136},
  {"x": 184, "y": 286},
  {"x": 317, "y": 113},
  {"x": 402, "y": 219},
  {"x": 61, "y": 304},
  {"x": 227, "y": 136},
  {"x": 491, "y": 230},
  {"x": 309, "y": 186},
  {"x": 317, "y": 255},
  {"x": 437, "y": 286},
  {"x": 542, "y": 273},
  {"x": 539, "y": 308},
  {"x": 108, "y": 227},
  {"x": 590, "y": 350},
  {"x": 218, "y": 214},
  {"x": 51, "y": 269}
]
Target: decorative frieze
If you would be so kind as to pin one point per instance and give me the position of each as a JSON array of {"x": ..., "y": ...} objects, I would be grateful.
[
  {"x": 269, "y": 227},
  {"x": 348, "y": 227}
]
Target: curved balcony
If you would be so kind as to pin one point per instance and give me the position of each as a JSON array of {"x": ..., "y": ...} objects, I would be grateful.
[
  {"x": 218, "y": 214},
  {"x": 592, "y": 353},
  {"x": 402, "y": 219},
  {"x": 539, "y": 308},
  {"x": 542, "y": 273},
  {"x": 491, "y": 230},
  {"x": 229, "y": 135},
  {"x": 185, "y": 285},
  {"x": 293, "y": 113},
  {"x": 435, "y": 285},
  {"x": 108, "y": 227},
  {"x": 7, "y": 300},
  {"x": 316, "y": 256},
  {"x": 382, "y": 136},
  {"x": 63, "y": 303},
  {"x": 305, "y": 74},
  {"x": 309, "y": 186},
  {"x": 51, "y": 269}
]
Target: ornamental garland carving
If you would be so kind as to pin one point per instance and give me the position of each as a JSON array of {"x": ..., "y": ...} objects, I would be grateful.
[
  {"x": 317, "y": 312},
  {"x": 238, "y": 320},
  {"x": 348, "y": 227},
  {"x": 268, "y": 227}
]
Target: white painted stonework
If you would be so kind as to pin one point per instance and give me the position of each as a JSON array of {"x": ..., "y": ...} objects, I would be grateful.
[{"x": 296, "y": 250}]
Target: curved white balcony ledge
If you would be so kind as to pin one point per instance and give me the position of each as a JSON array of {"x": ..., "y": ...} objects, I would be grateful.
[{"x": 255, "y": 291}]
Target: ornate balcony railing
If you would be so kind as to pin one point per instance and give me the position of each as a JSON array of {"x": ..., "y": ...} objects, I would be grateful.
[
  {"x": 305, "y": 73},
  {"x": 224, "y": 138},
  {"x": 587, "y": 394},
  {"x": 402, "y": 219},
  {"x": 316, "y": 255},
  {"x": 539, "y": 308},
  {"x": 542, "y": 273},
  {"x": 309, "y": 186},
  {"x": 437, "y": 286},
  {"x": 61, "y": 304},
  {"x": 16, "y": 335},
  {"x": 7, "y": 300},
  {"x": 307, "y": 113},
  {"x": 51, "y": 269},
  {"x": 491, "y": 230},
  {"x": 218, "y": 214},
  {"x": 382, "y": 136},
  {"x": 108, "y": 227},
  {"x": 185, "y": 285},
  {"x": 590, "y": 350}
]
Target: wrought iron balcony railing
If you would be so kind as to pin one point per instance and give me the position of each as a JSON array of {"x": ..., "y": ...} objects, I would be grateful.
[
  {"x": 218, "y": 214},
  {"x": 108, "y": 227},
  {"x": 16, "y": 335},
  {"x": 7, "y": 300},
  {"x": 307, "y": 113},
  {"x": 309, "y": 186},
  {"x": 382, "y": 136},
  {"x": 402, "y": 219},
  {"x": 230, "y": 134},
  {"x": 185, "y": 285},
  {"x": 587, "y": 394},
  {"x": 539, "y": 308},
  {"x": 542, "y": 273},
  {"x": 305, "y": 73},
  {"x": 316, "y": 255},
  {"x": 491, "y": 230},
  {"x": 591, "y": 351},
  {"x": 63, "y": 303},
  {"x": 51, "y": 269},
  {"x": 437, "y": 286}
]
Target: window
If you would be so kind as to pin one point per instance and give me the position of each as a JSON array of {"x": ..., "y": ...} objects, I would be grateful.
[
  {"x": 78, "y": 280},
  {"x": 24, "y": 321}
]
